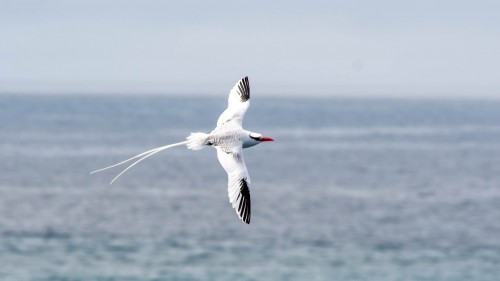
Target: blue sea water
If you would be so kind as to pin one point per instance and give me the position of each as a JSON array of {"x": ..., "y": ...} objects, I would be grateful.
[{"x": 352, "y": 189}]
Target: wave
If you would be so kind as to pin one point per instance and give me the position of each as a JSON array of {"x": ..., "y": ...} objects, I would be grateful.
[{"x": 386, "y": 131}]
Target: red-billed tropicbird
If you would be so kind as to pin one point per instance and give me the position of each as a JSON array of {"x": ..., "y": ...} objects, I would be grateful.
[{"x": 229, "y": 138}]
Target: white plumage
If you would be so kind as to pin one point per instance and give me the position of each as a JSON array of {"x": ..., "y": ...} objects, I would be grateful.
[{"x": 229, "y": 138}]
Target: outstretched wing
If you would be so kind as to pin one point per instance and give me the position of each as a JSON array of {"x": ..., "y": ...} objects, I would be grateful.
[
  {"x": 237, "y": 105},
  {"x": 238, "y": 181}
]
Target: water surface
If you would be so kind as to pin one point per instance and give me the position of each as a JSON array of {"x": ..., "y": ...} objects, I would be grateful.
[{"x": 352, "y": 189}]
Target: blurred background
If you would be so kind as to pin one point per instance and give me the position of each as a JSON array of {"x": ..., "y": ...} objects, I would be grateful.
[{"x": 385, "y": 114}]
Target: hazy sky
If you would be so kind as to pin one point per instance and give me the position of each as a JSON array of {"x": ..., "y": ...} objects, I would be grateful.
[{"x": 395, "y": 48}]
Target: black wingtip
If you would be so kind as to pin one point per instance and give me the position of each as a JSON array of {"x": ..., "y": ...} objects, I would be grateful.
[
  {"x": 244, "y": 209},
  {"x": 244, "y": 89}
]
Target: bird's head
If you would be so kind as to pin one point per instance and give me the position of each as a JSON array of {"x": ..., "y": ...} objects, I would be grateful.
[{"x": 254, "y": 139}]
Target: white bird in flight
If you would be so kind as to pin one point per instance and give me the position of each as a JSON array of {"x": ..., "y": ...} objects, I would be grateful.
[{"x": 229, "y": 138}]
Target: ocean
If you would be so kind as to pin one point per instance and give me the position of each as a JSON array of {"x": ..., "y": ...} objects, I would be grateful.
[{"x": 351, "y": 189}]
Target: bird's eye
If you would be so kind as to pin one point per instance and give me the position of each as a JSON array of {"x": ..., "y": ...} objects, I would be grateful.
[{"x": 255, "y": 138}]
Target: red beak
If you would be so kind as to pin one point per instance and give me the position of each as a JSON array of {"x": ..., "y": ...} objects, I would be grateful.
[{"x": 266, "y": 139}]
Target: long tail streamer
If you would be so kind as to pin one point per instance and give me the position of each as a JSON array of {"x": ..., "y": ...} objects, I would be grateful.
[{"x": 142, "y": 156}]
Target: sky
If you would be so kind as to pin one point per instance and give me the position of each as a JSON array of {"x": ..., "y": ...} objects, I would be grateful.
[{"x": 325, "y": 48}]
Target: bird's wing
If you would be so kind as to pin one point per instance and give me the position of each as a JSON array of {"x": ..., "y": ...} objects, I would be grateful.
[
  {"x": 237, "y": 103},
  {"x": 238, "y": 180}
]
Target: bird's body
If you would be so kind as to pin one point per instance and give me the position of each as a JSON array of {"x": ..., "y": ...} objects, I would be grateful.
[{"x": 229, "y": 138}]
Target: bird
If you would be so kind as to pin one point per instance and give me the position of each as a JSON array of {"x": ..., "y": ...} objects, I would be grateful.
[{"x": 229, "y": 139}]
